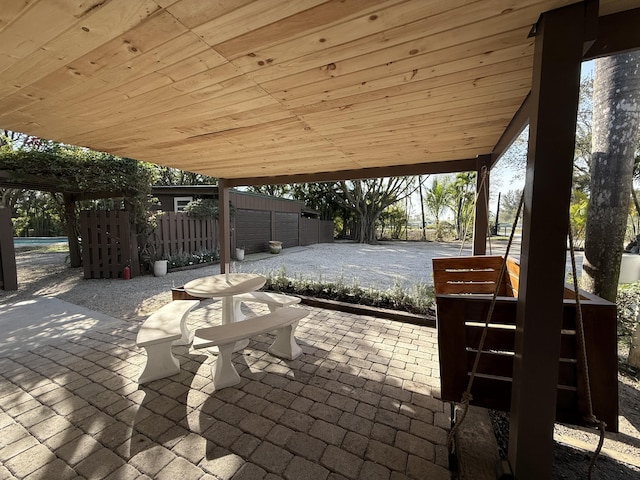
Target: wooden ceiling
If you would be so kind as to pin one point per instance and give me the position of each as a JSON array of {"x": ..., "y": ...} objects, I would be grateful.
[{"x": 241, "y": 88}]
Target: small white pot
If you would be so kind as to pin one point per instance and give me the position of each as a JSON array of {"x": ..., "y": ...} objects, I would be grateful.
[
  {"x": 629, "y": 268},
  {"x": 239, "y": 254},
  {"x": 160, "y": 268}
]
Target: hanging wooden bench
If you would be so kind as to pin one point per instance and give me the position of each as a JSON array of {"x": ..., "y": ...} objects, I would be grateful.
[{"x": 464, "y": 287}]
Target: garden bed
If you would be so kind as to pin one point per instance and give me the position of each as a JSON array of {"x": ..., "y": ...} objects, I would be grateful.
[{"x": 429, "y": 319}]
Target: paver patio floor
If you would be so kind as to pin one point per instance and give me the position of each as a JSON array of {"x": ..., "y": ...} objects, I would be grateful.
[{"x": 358, "y": 404}]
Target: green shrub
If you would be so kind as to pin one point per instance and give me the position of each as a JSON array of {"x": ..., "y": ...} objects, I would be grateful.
[
  {"x": 419, "y": 299},
  {"x": 184, "y": 259},
  {"x": 205, "y": 208},
  {"x": 202, "y": 208}
]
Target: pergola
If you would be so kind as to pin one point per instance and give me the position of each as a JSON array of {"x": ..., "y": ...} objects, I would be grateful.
[{"x": 277, "y": 91}]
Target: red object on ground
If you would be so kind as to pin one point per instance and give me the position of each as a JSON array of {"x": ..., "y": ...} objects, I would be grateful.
[{"x": 126, "y": 273}]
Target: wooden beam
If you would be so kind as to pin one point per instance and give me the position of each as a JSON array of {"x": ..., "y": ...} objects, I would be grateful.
[
  {"x": 554, "y": 103},
  {"x": 224, "y": 232},
  {"x": 517, "y": 124},
  {"x": 481, "y": 218},
  {"x": 617, "y": 33},
  {"x": 452, "y": 166},
  {"x": 36, "y": 182}
]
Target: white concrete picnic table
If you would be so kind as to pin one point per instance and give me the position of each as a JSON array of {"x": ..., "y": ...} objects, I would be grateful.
[{"x": 225, "y": 286}]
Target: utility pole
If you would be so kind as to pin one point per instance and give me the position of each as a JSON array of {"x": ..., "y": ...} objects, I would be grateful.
[
  {"x": 424, "y": 225},
  {"x": 495, "y": 229}
]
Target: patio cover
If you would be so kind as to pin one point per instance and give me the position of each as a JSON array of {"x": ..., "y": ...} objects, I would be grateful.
[
  {"x": 246, "y": 88},
  {"x": 270, "y": 91}
]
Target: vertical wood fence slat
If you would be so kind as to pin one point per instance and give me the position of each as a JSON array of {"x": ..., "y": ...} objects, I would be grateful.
[
  {"x": 179, "y": 235},
  {"x": 99, "y": 239},
  {"x": 193, "y": 239},
  {"x": 165, "y": 236},
  {"x": 111, "y": 259},
  {"x": 199, "y": 238}
]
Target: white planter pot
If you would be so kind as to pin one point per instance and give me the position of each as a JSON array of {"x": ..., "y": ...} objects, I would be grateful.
[
  {"x": 160, "y": 268},
  {"x": 239, "y": 254},
  {"x": 629, "y": 268}
]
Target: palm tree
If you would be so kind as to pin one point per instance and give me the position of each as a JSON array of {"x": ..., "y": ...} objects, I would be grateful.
[
  {"x": 437, "y": 200},
  {"x": 462, "y": 195}
]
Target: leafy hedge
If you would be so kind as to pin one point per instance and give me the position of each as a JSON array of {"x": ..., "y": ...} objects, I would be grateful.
[
  {"x": 419, "y": 299},
  {"x": 77, "y": 169}
]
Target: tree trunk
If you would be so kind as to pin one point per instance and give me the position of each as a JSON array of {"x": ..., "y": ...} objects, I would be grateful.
[
  {"x": 368, "y": 228},
  {"x": 71, "y": 227},
  {"x": 616, "y": 97}
]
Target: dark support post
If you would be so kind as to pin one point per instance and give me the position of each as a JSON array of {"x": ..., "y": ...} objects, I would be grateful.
[
  {"x": 8, "y": 272},
  {"x": 224, "y": 226},
  {"x": 481, "y": 223},
  {"x": 554, "y": 102}
]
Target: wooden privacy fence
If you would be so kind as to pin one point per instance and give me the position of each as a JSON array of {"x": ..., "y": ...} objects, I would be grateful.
[
  {"x": 109, "y": 241},
  {"x": 107, "y": 244},
  {"x": 178, "y": 232},
  {"x": 325, "y": 231},
  {"x": 313, "y": 230}
]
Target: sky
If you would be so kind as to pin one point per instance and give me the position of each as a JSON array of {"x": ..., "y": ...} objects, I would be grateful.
[{"x": 504, "y": 176}]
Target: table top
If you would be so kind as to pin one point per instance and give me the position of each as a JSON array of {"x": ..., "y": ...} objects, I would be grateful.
[{"x": 224, "y": 285}]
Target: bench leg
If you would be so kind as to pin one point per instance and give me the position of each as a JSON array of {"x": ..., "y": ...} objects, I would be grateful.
[
  {"x": 223, "y": 372},
  {"x": 237, "y": 310},
  {"x": 285, "y": 344},
  {"x": 160, "y": 363},
  {"x": 187, "y": 335}
]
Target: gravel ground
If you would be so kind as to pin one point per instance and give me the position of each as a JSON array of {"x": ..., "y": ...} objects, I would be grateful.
[{"x": 381, "y": 266}]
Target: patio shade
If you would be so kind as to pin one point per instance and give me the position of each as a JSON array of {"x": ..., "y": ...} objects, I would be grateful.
[{"x": 245, "y": 88}]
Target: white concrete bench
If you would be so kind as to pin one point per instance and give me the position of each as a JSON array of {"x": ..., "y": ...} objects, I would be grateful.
[
  {"x": 285, "y": 321},
  {"x": 161, "y": 330},
  {"x": 273, "y": 300}
]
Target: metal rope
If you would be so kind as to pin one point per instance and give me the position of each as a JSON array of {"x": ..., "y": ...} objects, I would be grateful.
[
  {"x": 466, "y": 396},
  {"x": 582, "y": 351}
]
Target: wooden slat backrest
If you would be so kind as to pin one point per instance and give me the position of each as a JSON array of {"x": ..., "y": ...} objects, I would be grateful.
[{"x": 467, "y": 275}]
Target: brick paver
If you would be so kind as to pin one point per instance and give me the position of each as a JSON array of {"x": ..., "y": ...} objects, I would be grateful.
[{"x": 356, "y": 405}]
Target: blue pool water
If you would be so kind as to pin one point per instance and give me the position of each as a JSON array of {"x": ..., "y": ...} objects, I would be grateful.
[{"x": 24, "y": 241}]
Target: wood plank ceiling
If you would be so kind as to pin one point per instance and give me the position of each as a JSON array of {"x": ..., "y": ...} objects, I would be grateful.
[{"x": 239, "y": 88}]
